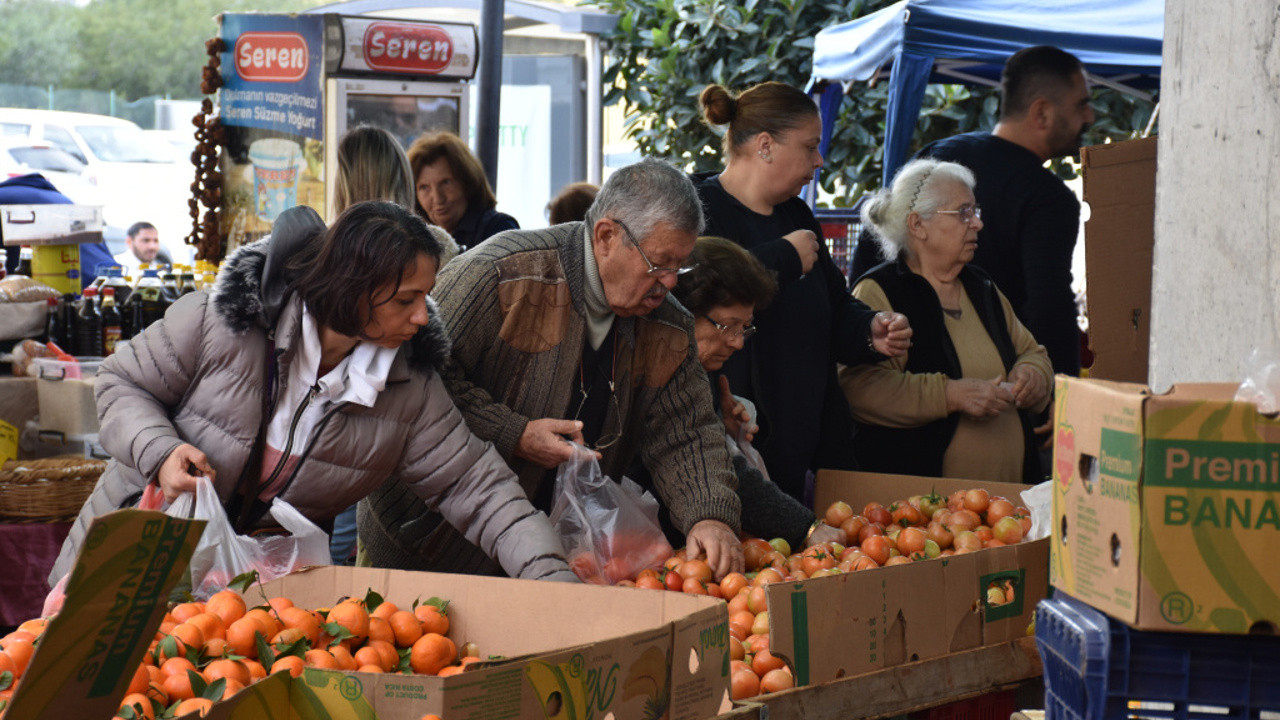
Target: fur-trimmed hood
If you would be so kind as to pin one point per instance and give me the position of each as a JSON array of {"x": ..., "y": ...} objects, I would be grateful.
[{"x": 252, "y": 288}]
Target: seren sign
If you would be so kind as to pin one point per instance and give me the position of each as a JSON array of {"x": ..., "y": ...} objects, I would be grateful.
[
  {"x": 407, "y": 48},
  {"x": 271, "y": 56}
]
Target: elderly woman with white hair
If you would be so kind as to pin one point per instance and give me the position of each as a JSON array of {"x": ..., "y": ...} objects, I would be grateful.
[{"x": 960, "y": 403}]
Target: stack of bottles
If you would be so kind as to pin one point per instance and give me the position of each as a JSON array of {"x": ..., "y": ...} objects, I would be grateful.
[{"x": 112, "y": 309}]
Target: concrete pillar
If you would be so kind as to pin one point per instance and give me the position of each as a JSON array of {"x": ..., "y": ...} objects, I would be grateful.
[{"x": 1216, "y": 281}]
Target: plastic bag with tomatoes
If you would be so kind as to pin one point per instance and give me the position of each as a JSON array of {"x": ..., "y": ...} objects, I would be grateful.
[
  {"x": 610, "y": 529},
  {"x": 222, "y": 554}
]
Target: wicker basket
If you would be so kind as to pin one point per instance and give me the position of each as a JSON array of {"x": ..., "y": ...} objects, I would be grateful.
[{"x": 49, "y": 490}]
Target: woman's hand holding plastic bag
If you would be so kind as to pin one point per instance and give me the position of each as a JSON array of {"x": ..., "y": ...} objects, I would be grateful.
[
  {"x": 610, "y": 529},
  {"x": 222, "y": 554}
]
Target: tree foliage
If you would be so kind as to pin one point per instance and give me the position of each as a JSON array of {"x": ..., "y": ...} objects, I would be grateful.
[
  {"x": 37, "y": 41},
  {"x": 135, "y": 47},
  {"x": 664, "y": 52}
]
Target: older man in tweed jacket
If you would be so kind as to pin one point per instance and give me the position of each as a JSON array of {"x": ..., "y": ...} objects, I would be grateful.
[{"x": 569, "y": 332}]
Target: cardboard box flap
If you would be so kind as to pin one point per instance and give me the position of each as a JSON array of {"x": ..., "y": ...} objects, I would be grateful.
[
  {"x": 1223, "y": 392},
  {"x": 117, "y": 596},
  {"x": 1119, "y": 236},
  {"x": 1121, "y": 153},
  {"x": 511, "y": 617}
]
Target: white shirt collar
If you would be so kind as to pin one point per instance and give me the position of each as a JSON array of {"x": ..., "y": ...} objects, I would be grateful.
[{"x": 360, "y": 376}]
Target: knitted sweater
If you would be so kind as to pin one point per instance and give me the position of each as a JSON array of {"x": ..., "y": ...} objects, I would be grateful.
[{"x": 516, "y": 314}]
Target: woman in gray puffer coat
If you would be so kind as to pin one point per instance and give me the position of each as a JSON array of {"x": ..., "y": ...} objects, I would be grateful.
[{"x": 310, "y": 374}]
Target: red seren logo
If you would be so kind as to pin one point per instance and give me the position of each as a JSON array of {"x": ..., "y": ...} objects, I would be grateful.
[
  {"x": 271, "y": 56},
  {"x": 401, "y": 47}
]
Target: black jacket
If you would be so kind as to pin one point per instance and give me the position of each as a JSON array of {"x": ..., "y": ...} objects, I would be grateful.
[
  {"x": 920, "y": 450},
  {"x": 789, "y": 368}
]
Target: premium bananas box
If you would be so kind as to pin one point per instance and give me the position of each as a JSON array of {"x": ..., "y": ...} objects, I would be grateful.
[
  {"x": 1165, "y": 506},
  {"x": 116, "y": 597},
  {"x": 566, "y": 651}
]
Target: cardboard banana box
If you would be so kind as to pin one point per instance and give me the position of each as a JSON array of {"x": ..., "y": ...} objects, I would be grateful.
[
  {"x": 836, "y": 627},
  {"x": 568, "y": 651},
  {"x": 1165, "y": 506}
]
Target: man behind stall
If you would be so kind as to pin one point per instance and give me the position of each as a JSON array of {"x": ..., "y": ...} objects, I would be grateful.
[
  {"x": 568, "y": 332},
  {"x": 142, "y": 245}
]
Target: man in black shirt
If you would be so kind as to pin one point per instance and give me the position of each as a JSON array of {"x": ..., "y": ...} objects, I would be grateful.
[{"x": 1030, "y": 217}]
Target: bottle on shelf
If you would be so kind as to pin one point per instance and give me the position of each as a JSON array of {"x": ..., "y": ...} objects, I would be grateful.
[
  {"x": 53, "y": 324},
  {"x": 169, "y": 285},
  {"x": 115, "y": 278},
  {"x": 89, "y": 326},
  {"x": 146, "y": 303},
  {"x": 112, "y": 329},
  {"x": 24, "y": 262},
  {"x": 68, "y": 310}
]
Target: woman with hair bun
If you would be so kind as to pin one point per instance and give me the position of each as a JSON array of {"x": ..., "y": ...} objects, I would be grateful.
[
  {"x": 961, "y": 402},
  {"x": 789, "y": 368}
]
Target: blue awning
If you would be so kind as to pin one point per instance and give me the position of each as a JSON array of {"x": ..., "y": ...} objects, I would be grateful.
[{"x": 916, "y": 42}]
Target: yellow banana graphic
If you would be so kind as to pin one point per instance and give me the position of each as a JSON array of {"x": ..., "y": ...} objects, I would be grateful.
[
  {"x": 647, "y": 675},
  {"x": 561, "y": 697}
]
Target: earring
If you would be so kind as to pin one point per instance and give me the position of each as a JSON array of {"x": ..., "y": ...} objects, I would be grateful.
[{"x": 764, "y": 156}]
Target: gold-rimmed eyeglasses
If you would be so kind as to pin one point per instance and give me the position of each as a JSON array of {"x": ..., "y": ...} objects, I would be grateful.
[
  {"x": 743, "y": 331},
  {"x": 654, "y": 270},
  {"x": 966, "y": 214}
]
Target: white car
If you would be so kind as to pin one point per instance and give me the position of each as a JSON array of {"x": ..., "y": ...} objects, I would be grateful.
[
  {"x": 139, "y": 177},
  {"x": 20, "y": 155}
]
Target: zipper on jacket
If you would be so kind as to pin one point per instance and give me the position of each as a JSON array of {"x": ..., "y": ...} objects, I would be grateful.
[
  {"x": 293, "y": 426},
  {"x": 311, "y": 443}
]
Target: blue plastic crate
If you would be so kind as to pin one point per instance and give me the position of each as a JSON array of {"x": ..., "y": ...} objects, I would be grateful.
[{"x": 1096, "y": 667}]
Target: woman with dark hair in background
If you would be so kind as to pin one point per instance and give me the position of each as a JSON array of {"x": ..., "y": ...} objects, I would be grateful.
[
  {"x": 453, "y": 192},
  {"x": 571, "y": 203},
  {"x": 310, "y": 374},
  {"x": 789, "y": 369}
]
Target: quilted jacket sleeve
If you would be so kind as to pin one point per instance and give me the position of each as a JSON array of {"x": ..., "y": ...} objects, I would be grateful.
[{"x": 139, "y": 385}]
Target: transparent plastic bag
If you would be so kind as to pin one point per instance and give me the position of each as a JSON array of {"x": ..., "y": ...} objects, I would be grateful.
[
  {"x": 1261, "y": 386},
  {"x": 222, "y": 554},
  {"x": 742, "y": 445},
  {"x": 610, "y": 529}
]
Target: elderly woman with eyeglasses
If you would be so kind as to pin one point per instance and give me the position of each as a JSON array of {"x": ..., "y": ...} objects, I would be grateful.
[
  {"x": 960, "y": 402},
  {"x": 723, "y": 290}
]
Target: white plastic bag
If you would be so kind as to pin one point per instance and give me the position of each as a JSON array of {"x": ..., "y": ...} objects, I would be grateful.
[
  {"x": 742, "y": 445},
  {"x": 222, "y": 554},
  {"x": 1261, "y": 385},
  {"x": 1039, "y": 500},
  {"x": 610, "y": 530}
]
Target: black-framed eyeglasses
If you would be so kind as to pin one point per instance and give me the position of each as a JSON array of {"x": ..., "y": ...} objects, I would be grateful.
[
  {"x": 744, "y": 332},
  {"x": 966, "y": 214},
  {"x": 654, "y": 270},
  {"x": 607, "y": 439}
]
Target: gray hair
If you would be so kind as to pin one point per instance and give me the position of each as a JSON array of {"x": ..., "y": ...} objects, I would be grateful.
[
  {"x": 645, "y": 194},
  {"x": 919, "y": 187}
]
